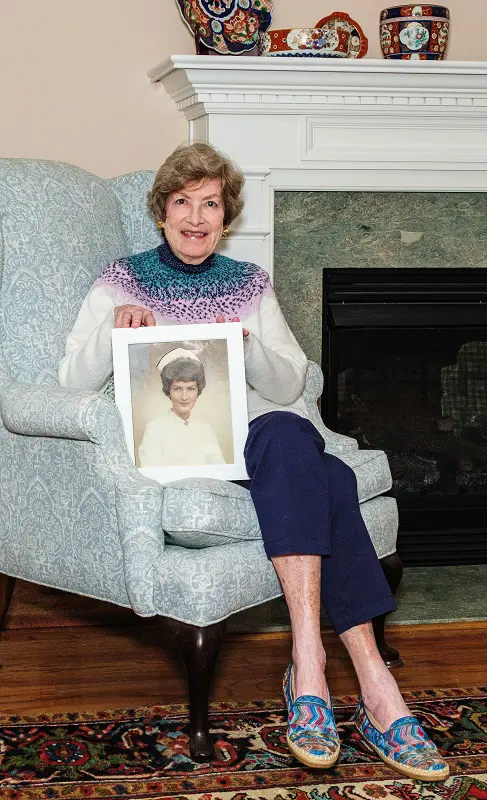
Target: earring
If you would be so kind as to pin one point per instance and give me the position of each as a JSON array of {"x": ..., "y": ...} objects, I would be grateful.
[
  {"x": 225, "y": 233},
  {"x": 160, "y": 224}
]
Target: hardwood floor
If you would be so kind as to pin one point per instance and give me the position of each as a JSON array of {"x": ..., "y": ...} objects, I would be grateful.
[{"x": 83, "y": 668}]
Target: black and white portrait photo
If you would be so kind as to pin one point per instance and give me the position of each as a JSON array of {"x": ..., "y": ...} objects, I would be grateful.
[{"x": 183, "y": 400}]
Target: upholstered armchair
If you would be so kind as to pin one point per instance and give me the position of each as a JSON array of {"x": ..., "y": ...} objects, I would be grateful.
[{"x": 76, "y": 514}]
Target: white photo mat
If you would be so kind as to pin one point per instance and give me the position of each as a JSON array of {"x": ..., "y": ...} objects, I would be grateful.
[{"x": 222, "y": 404}]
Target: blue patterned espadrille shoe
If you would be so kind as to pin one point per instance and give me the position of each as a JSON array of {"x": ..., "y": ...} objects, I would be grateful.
[
  {"x": 404, "y": 746},
  {"x": 311, "y": 731}
]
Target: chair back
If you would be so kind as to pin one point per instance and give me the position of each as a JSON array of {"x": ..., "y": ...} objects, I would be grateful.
[
  {"x": 60, "y": 225},
  {"x": 139, "y": 228}
]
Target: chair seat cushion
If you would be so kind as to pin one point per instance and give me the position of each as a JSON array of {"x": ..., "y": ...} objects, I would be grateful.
[
  {"x": 371, "y": 470},
  {"x": 205, "y": 512}
]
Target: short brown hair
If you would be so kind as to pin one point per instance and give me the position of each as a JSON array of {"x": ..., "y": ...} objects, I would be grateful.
[
  {"x": 183, "y": 369},
  {"x": 189, "y": 163}
]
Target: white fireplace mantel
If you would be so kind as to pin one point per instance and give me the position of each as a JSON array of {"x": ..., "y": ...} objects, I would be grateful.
[{"x": 318, "y": 124}]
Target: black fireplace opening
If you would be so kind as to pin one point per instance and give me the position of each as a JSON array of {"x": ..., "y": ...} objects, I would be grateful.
[{"x": 405, "y": 366}]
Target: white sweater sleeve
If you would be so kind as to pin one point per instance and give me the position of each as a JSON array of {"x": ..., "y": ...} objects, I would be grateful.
[
  {"x": 275, "y": 365},
  {"x": 87, "y": 363}
]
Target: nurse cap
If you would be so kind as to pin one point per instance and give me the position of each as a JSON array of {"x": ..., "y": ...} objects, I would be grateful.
[{"x": 177, "y": 352}]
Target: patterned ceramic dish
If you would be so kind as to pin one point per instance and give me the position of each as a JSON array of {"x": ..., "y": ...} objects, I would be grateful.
[
  {"x": 414, "y": 32},
  {"x": 302, "y": 42},
  {"x": 227, "y": 26},
  {"x": 340, "y": 21}
]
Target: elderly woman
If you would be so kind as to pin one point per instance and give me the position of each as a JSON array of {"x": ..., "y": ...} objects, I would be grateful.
[
  {"x": 177, "y": 438},
  {"x": 306, "y": 499}
]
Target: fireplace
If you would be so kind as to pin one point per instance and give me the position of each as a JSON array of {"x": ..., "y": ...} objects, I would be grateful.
[
  {"x": 405, "y": 366},
  {"x": 346, "y": 127}
]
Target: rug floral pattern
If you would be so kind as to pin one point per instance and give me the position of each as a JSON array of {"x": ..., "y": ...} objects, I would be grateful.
[{"x": 143, "y": 754}]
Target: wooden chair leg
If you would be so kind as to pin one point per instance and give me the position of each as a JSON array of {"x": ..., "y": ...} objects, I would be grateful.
[
  {"x": 199, "y": 648},
  {"x": 392, "y": 567},
  {"x": 7, "y": 585}
]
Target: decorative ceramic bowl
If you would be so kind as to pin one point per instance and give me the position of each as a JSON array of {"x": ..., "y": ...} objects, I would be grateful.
[
  {"x": 302, "y": 42},
  {"x": 414, "y": 32},
  {"x": 334, "y": 36},
  {"x": 226, "y": 26},
  {"x": 340, "y": 21}
]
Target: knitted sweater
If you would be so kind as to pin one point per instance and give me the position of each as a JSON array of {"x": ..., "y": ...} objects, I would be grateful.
[{"x": 179, "y": 293}]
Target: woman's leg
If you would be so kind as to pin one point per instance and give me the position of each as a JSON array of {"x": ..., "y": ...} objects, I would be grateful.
[
  {"x": 312, "y": 528},
  {"x": 378, "y": 688},
  {"x": 313, "y": 531},
  {"x": 279, "y": 449},
  {"x": 300, "y": 577}
]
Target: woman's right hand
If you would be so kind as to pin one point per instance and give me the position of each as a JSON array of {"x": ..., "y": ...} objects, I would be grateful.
[{"x": 133, "y": 317}]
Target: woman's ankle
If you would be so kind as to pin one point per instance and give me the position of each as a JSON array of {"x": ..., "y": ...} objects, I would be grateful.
[
  {"x": 309, "y": 677},
  {"x": 384, "y": 702}
]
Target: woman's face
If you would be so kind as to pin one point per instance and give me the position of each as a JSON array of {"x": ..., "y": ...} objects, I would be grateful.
[
  {"x": 183, "y": 395},
  {"x": 194, "y": 220}
]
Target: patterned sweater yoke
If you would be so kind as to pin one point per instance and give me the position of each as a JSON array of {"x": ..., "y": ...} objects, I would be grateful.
[{"x": 186, "y": 293}]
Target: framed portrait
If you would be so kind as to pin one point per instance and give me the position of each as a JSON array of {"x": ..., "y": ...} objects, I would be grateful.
[{"x": 181, "y": 392}]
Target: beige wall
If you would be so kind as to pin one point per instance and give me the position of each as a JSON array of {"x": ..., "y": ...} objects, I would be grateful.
[{"x": 73, "y": 83}]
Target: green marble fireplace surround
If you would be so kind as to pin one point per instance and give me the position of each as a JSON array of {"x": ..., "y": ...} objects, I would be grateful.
[{"x": 318, "y": 229}]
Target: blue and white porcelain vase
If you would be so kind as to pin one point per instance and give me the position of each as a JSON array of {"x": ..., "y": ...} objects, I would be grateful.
[{"x": 226, "y": 26}]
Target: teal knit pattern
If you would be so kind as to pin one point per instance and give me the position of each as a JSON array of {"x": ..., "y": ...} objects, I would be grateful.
[{"x": 187, "y": 293}]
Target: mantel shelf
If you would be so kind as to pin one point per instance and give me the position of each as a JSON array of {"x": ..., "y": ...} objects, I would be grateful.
[
  {"x": 229, "y": 84},
  {"x": 245, "y": 65}
]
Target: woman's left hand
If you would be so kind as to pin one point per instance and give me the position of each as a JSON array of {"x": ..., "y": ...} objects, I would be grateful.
[{"x": 234, "y": 319}]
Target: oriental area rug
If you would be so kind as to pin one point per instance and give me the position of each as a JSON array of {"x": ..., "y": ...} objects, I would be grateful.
[{"x": 142, "y": 754}]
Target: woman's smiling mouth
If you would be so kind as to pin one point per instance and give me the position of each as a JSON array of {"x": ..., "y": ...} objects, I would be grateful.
[{"x": 194, "y": 234}]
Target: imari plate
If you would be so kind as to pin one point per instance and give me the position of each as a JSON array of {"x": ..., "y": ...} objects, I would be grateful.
[{"x": 340, "y": 21}]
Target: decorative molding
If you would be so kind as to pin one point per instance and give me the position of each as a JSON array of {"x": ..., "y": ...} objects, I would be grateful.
[
  {"x": 362, "y": 139},
  {"x": 249, "y": 233},
  {"x": 256, "y": 173},
  {"x": 252, "y": 103},
  {"x": 287, "y": 86}
]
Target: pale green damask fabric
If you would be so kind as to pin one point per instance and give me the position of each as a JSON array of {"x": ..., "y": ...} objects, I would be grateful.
[
  {"x": 336, "y": 443},
  {"x": 372, "y": 471},
  {"x": 382, "y": 521},
  {"x": 76, "y": 513},
  {"x": 140, "y": 230},
  {"x": 240, "y": 577},
  {"x": 204, "y": 512},
  {"x": 60, "y": 226}
]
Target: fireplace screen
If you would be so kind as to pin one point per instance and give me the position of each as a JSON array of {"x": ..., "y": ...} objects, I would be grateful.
[
  {"x": 408, "y": 375},
  {"x": 420, "y": 395}
]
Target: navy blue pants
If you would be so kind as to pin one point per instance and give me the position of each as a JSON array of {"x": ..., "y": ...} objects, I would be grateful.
[{"x": 306, "y": 502}]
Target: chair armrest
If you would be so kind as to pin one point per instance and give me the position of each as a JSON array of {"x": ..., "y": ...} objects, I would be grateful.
[
  {"x": 52, "y": 411},
  {"x": 62, "y": 413},
  {"x": 335, "y": 442},
  {"x": 50, "y": 414}
]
